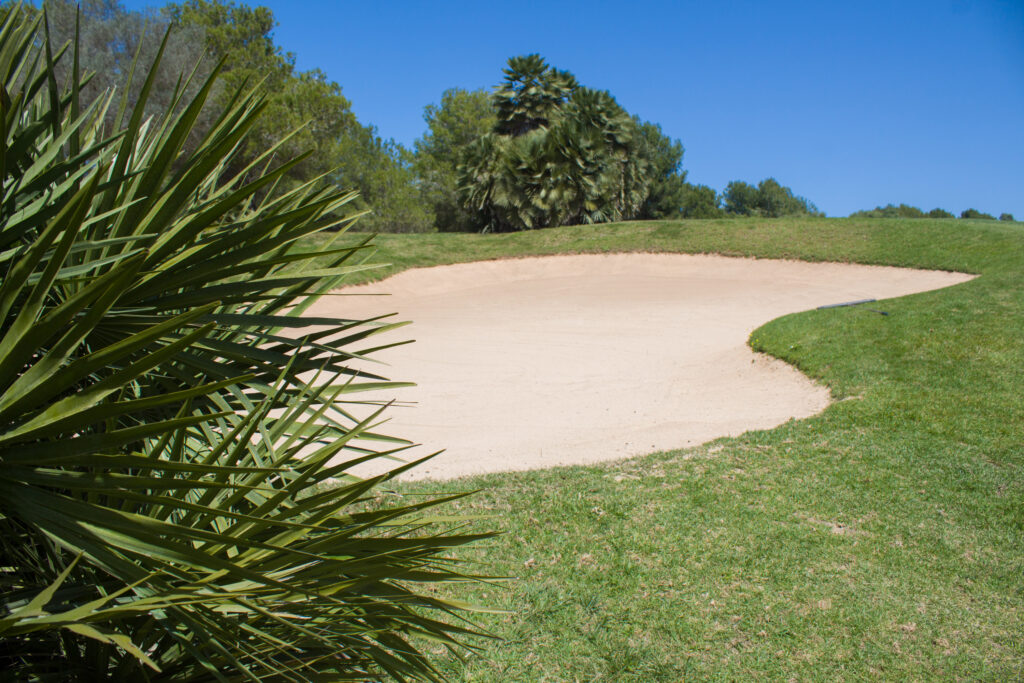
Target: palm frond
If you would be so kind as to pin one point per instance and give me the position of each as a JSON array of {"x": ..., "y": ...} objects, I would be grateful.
[{"x": 176, "y": 500}]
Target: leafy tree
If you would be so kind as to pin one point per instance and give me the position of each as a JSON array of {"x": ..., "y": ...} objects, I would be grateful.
[
  {"x": 110, "y": 39},
  {"x": 461, "y": 118},
  {"x": 559, "y": 154},
  {"x": 382, "y": 171},
  {"x": 593, "y": 161},
  {"x": 940, "y": 213},
  {"x": 701, "y": 201},
  {"x": 777, "y": 200},
  {"x": 667, "y": 187},
  {"x": 769, "y": 199},
  {"x": 242, "y": 37},
  {"x": 167, "y": 415},
  {"x": 1006, "y": 217},
  {"x": 974, "y": 213},
  {"x": 351, "y": 153},
  {"x": 741, "y": 198}
]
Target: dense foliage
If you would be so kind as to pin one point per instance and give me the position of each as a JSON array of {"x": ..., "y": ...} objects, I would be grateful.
[
  {"x": 541, "y": 150},
  {"x": 561, "y": 154},
  {"x": 667, "y": 187},
  {"x": 111, "y": 38},
  {"x": 893, "y": 211},
  {"x": 304, "y": 109},
  {"x": 176, "y": 440},
  {"x": 907, "y": 211},
  {"x": 461, "y": 118},
  {"x": 700, "y": 201},
  {"x": 768, "y": 199}
]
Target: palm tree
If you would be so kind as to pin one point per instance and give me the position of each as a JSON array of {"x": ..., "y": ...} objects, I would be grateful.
[
  {"x": 531, "y": 96},
  {"x": 560, "y": 154}
]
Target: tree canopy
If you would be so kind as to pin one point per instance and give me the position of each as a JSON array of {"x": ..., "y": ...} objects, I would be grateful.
[
  {"x": 350, "y": 153},
  {"x": 974, "y": 213},
  {"x": 531, "y": 96},
  {"x": 667, "y": 188},
  {"x": 109, "y": 39},
  {"x": 768, "y": 199},
  {"x": 460, "y": 119},
  {"x": 701, "y": 201},
  {"x": 303, "y": 111},
  {"x": 540, "y": 150},
  {"x": 907, "y": 211},
  {"x": 561, "y": 153}
]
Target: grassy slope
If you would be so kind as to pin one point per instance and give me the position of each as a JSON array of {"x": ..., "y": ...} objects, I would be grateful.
[{"x": 882, "y": 539}]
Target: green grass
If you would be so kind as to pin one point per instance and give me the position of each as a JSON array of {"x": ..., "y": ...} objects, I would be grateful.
[
  {"x": 951, "y": 244},
  {"x": 882, "y": 539}
]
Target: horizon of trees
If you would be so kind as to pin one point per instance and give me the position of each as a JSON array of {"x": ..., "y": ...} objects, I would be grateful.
[
  {"x": 539, "y": 150},
  {"x": 907, "y": 211}
]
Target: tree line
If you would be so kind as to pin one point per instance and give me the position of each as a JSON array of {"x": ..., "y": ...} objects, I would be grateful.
[
  {"x": 540, "y": 150},
  {"x": 907, "y": 211}
]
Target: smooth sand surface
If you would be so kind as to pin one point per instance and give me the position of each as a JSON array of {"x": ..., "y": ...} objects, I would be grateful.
[{"x": 539, "y": 362}]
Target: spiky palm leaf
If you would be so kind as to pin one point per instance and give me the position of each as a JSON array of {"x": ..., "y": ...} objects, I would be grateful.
[{"x": 167, "y": 415}]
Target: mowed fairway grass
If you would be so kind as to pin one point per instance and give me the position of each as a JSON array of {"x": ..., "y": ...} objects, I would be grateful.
[{"x": 882, "y": 539}]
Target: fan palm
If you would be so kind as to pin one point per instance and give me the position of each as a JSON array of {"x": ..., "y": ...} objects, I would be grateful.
[
  {"x": 531, "y": 95},
  {"x": 175, "y": 438},
  {"x": 559, "y": 155}
]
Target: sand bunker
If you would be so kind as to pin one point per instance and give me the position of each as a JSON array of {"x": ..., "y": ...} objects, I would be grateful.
[{"x": 561, "y": 360}]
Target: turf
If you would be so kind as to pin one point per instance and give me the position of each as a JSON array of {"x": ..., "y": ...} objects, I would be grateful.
[{"x": 882, "y": 539}]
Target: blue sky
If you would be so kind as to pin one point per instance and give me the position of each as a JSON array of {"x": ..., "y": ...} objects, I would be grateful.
[{"x": 852, "y": 104}]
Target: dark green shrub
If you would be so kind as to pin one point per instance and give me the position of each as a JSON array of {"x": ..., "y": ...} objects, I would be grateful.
[{"x": 701, "y": 201}]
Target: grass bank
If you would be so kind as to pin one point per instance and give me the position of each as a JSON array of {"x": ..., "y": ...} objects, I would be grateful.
[
  {"x": 951, "y": 244},
  {"x": 882, "y": 539}
]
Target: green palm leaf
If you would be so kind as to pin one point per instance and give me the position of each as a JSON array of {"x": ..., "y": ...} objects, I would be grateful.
[{"x": 176, "y": 496}]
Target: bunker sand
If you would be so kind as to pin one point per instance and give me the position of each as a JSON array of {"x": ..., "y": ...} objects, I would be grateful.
[{"x": 539, "y": 362}]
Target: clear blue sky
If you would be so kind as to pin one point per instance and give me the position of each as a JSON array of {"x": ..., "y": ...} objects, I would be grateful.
[{"x": 852, "y": 104}]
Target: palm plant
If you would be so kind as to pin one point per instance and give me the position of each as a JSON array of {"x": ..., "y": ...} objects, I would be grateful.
[
  {"x": 579, "y": 163},
  {"x": 176, "y": 439},
  {"x": 531, "y": 95},
  {"x": 560, "y": 154}
]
